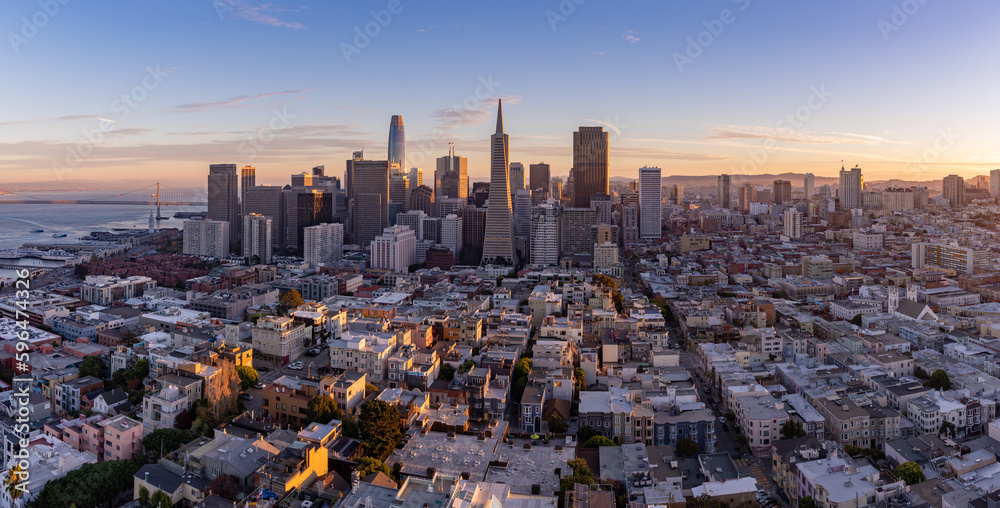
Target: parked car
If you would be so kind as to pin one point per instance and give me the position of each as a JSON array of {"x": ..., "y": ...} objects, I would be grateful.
[
  {"x": 312, "y": 352},
  {"x": 264, "y": 369},
  {"x": 722, "y": 419},
  {"x": 246, "y": 396},
  {"x": 259, "y": 386},
  {"x": 296, "y": 365}
]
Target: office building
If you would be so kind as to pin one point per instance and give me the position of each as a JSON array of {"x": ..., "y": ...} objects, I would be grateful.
[
  {"x": 544, "y": 243},
  {"x": 266, "y": 200},
  {"x": 248, "y": 178},
  {"x": 516, "y": 177},
  {"x": 397, "y": 145},
  {"x": 304, "y": 208},
  {"x": 395, "y": 249},
  {"x": 399, "y": 191},
  {"x": 851, "y": 184},
  {"x": 954, "y": 190},
  {"x": 898, "y": 199},
  {"x": 630, "y": 223},
  {"x": 416, "y": 177},
  {"x": 809, "y": 184},
  {"x": 723, "y": 193},
  {"x": 574, "y": 227},
  {"x": 538, "y": 178},
  {"x": 748, "y": 194},
  {"x": 781, "y": 191},
  {"x": 522, "y": 213},
  {"x": 413, "y": 219},
  {"x": 473, "y": 233},
  {"x": 451, "y": 234},
  {"x": 223, "y": 197},
  {"x": 650, "y": 203},
  {"x": 498, "y": 244},
  {"x": 590, "y": 165},
  {"x": 206, "y": 238},
  {"x": 323, "y": 244},
  {"x": 601, "y": 203},
  {"x": 368, "y": 193},
  {"x": 422, "y": 198},
  {"x": 963, "y": 260},
  {"x": 257, "y": 230},
  {"x": 995, "y": 183},
  {"x": 451, "y": 179}
]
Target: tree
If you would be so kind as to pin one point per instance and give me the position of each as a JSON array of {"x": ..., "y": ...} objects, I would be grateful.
[
  {"x": 290, "y": 300},
  {"x": 807, "y": 502},
  {"x": 909, "y": 472},
  {"x": 248, "y": 377},
  {"x": 597, "y": 442},
  {"x": 141, "y": 369},
  {"x": 780, "y": 294},
  {"x": 466, "y": 366},
  {"x": 370, "y": 389},
  {"x": 857, "y": 320},
  {"x": 380, "y": 427},
  {"x": 852, "y": 450},
  {"x": 143, "y": 495},
  {"x": 92, "y": 366},
  {"x": 687, "y": 447},
  {"x": 948, "y": 429},
  {"x": 731, "y": 416},
  {"x": 165, "y": 441},
  {"x": 91, "y": 485},
  {"x": 792, "y": 429},
  {"x": 447, "y": 372},
  {"x": 581, "y": 474},
  {"x": 368, "y": 465},
  {"x": 557, "y": 425},
  {"x": 222, "y": 390},
  {"x": 13, "y": 483},
  {"x": 160, "y": 499},
  {"x": 619, "y": 302},
  {"x": 579, "y": 379},
  {"x": 585, "y": 432},
  {"x": 519, "y": 378},
  {"x": 322, "y": 409},
  {"x": 939, "y": 380},
  {"x": 225, "y": 485}
]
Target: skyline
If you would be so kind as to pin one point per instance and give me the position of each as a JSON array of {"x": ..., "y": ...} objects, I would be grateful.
[{"x": 279, "y": 89}]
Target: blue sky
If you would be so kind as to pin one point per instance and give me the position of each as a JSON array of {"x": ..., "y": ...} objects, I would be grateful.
[{"x": 901, "y": 88}]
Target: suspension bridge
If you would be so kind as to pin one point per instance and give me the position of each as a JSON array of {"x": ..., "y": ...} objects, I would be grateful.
[{"x": 154, "y": 194}]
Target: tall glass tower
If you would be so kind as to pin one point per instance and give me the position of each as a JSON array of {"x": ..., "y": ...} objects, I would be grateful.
[{"x": 397, "y": 146}]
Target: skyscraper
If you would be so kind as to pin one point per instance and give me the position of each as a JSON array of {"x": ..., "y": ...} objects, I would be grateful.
[
  {"x": 954, "y": 190},
  {"x": 650, "y": 203},
  {"x": 451, "y": 234},
  {"x": 809, "y": 183},
  {"x": 451, "y": 180},
  {"x": 781, "y": 191},
  {"x": 498, "y": 245},
  {"x": 995, "y": 183},
  {"x": 601, "y": 203},
  {"x": 248, "y": 178},
  {"x": 304, "y": 208},
  {"x": 590, "y": 165},
  {"x": 516, "y": 177},
  {"x": 724, "y": 194},
  {"x": 416, "y": 177},
  {"x": 574, "y": 227},
  {"x": 395, "y": 249},
  {"x": 223, "y": 197},
  {"x": 369, "y": 183},
  {"x": 207, "y": 237},
  {"x": 422, "y": 198},
  {"x": 257, "y": 238},
  {"x": 748, "y": 194},
  {"x": 852, "y": 182},
  {"x": 793, "y": 224},
  {"x": 399, "y": 191},
  {"x": 538, "y": 178},
  {"x": 397, "y": 145},
  {"x": 545, "y": 234},
  {"x": 323, "y": 243},
  {"x": 266, "y": 200}
]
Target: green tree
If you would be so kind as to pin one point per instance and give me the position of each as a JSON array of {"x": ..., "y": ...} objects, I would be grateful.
[
  {"x": 731, "y": 416},
  {"x": 687, "y": 447},
  {"x": 368, "y": 465},
  {"x": 852, "y": 450},
  {"x": 370, "y": 388},
  {"x": 91, "y": 485},
  {"x": 581, "y": 474},
  {"x": 948, "y": 429},
  {"x": 322, "y": 409},
  {"x": 557, "y": 425},
  {"x": 92, "y": 366},
  {"x": 939, "y": 380},
  {"x": 579, "y": 379},
  {"x": 909, "y": 472},
  {"x": 597, "y": 442},
  {"x": 466, "y": 366},
  {"x": 599, "y": 279},
  {"x": 160, "y": 499},
  {"x": 248, "y": 377},
  {"x": 447, "y": 372},
  {"x": 165, "y": 441},
  {"x": 519, "y": 378},
  {"x": 792, "y": 429},
  {"x": 857, "y": 320},
  {"x": 143, "y": 495},
  {"x": 380, "y": 427},
  {"x": 807, "y": 502},
  {"x": 141, "y": 369},
  {"x": 585, "y": 432}
]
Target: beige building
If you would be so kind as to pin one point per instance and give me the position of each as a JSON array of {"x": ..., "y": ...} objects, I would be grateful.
[
  {"x": 280, "y": 337},
  {"x": 847, "y": 422}
]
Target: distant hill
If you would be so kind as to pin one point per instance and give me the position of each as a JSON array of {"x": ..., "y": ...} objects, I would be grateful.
[{"x": 703, "y": 181}]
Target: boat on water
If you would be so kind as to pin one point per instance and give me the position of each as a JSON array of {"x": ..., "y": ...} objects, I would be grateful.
[
  {"x": 37, "y": 230},
  {"x": 59, "y": 235}
]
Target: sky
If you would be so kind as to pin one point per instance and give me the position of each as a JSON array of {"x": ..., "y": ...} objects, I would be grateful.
[{"x": 157, "y": 90}]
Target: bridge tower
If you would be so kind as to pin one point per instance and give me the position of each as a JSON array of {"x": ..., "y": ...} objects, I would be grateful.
[{"x": 158, "y": 216}]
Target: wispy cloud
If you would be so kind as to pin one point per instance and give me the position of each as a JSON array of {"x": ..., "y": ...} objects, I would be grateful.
[
  {"x": 267, "y": 14},
  {"x": 630, "y": 36},
  {"x": 597, "y": 53},
  {"x": 783, "y": 135},
  {"x": 877, "y": 139},
  {"x": 236, "y": 101},
  {"x": 461, "y": 116}
]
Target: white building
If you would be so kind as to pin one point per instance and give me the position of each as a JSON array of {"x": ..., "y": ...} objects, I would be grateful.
[
  {"x": 451, "y": 234},
  {"x": 323, "y": 243},
  {"x": 793, "y": 224},
  {"x": 414, "y": 219},
  {"x": 545, "y": 234},
  {"x": 605, "y": 255},
  {"x": 206, "y": 238},
  {"x": 257, "y": 238},
  {"x": 650, "y": 203},
  {"x": 868, "y": 241},
  {"x": 395, "y": 249}
]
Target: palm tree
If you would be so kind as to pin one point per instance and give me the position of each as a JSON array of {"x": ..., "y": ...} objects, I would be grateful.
[{"x": 13, "y": 480}]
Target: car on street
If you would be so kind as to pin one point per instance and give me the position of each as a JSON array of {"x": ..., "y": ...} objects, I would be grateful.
[
  {"x": 246, "y": 396},
  {"x": 312, "y": 352},
  {"x": 296, "y": 365},
  {"x": 722, "y": 419}
]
